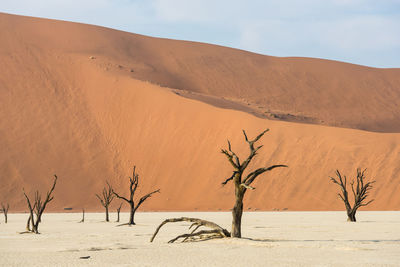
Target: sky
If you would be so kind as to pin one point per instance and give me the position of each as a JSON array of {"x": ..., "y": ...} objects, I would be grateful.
[{"x": 365, "y": 32}]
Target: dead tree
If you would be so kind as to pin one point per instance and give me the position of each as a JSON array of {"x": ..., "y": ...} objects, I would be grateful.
[
  {"x": 118, "y": 211},
  {"x": 134, "y": 182},
  {"x": 242, "y": 183},
  {"x": 36, "y": 210},
  {"x": 215, "y": 232},
  {"x": 4, "y": 209},
  {"x": 106, "y": 198},
  {"x": 360, "y": 192}
]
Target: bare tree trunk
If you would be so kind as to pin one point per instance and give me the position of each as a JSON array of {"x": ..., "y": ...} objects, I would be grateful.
[
  {"x": 118, "y": 211},
  {"x": 132, "y": 214},
  {"x": 107, "y": 217},
  {"x": 237, "y": 212},
  {"x": 351, "y": 216},
  {"x": 4, "y": 208},
  {"x": 35, "y": 227},
  {"x": 28, "y": 223},
  {"x": 83, "y": 216}
]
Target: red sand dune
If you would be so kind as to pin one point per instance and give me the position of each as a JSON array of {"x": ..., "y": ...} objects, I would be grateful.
[{"x": 85, "y": 102}]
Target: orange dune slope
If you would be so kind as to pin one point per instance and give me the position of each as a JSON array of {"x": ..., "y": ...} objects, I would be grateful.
[
  {"x": 85, "y": 102},
  {"x": 293, "y": 89}
]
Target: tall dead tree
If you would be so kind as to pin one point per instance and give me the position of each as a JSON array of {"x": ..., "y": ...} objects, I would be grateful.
[
  {"x": 106, "y": 198},
  {"x": 360, "y": 192},
  {"x": 134, "y": 182},
  {"x": 241, "y": 182},
  {"x": 4, "y": 209},
  {"x": 118, "y": 211},
  {"x": 36, "y": 210}
]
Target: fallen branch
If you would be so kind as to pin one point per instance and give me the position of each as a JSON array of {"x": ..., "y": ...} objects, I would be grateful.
[{"x": 215, "y": 232}]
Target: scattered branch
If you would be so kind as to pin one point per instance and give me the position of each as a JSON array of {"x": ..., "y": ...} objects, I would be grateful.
[{"x": 215, "y": 232}]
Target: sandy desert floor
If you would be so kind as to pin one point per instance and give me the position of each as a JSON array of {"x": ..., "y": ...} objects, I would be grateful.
[{"x": 271, "y": 239}]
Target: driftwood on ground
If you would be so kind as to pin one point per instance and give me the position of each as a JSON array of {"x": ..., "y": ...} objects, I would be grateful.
[{"x": 196, "y": 234}]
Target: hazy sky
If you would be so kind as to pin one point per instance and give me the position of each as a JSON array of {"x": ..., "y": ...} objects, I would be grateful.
[{"x": 364, "y": 32}]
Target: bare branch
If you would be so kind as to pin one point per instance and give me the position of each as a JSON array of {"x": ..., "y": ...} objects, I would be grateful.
[
  {"x": 134, "y": 182},
  {"x": 247, "y": 186},
  {"x": 143, "y": 199},
  {"x": 191, "y": 233},
  {"x": 203, "y": 235},
  {"x": 216, "y": 229},
  {"x": 120, "y": 197},
  {"x": 253, "y": 175},
  {"x": 230, "y": 178},
  {"x": 234, "y": 156},
  {"x": 255, "y": 139},
  {"x": 230, "y": 157},
  {"x": 253, "y": 151},
  {"x": 101, "y": 200}
]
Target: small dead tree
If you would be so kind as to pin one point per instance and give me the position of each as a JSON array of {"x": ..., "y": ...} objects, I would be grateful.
[
  {"x": 134, "y": 182},
  {"x": 242, "y": 183},
  {"x": 118, "y": 211},
  {"x": 38, "y": 208},
  {"x": 106, "y": 198},
  {"x": 4, "y": 209},
  {"x": 360, "y": 192}
]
